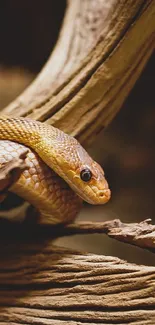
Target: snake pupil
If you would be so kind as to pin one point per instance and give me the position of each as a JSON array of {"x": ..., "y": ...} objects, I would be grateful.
[{"x": 86, "y": 175}]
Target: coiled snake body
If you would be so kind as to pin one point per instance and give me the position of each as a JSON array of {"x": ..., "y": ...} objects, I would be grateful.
[{"x": 59, "y": 171}]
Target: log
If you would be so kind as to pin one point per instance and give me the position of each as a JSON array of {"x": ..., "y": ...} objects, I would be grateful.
[{"x": 43, "y": 284}]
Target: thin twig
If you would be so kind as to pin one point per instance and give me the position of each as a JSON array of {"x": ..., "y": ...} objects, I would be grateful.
[{"x": 139, "y": 234}]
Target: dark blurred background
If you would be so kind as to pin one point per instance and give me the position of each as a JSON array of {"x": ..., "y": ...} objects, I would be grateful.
[{"x": 28, "y": 31}]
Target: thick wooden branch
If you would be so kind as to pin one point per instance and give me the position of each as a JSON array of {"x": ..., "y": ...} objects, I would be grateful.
[
  {"x": 102, "y": 49},
  {"x": 50, "y": 285}
]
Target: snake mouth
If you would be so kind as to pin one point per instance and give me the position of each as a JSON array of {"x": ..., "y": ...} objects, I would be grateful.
[
  {"x": 102, "y": 197},
  {"x": 96, "y": 198}
]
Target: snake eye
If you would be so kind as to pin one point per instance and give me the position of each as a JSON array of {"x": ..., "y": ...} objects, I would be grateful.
[{"x": 86, "y": 175}]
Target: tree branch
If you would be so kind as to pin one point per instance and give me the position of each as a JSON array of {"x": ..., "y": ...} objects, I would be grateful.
[
  {"x": 100, "y": 43},
  {"x": 139, "y": 234}
]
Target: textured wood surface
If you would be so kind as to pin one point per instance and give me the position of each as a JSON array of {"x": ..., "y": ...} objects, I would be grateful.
[
  {"x": 42, "y": 284},
  {"x": 102, "y": 49}
]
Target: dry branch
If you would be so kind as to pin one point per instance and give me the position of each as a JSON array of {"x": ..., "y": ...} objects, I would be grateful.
[
  {"x": 102, "y": 49},
  {"x": 49, "y": 285},
  {"x": 139, "y": 234}
]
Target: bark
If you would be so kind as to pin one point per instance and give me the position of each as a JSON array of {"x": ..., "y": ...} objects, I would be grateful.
[{"x": 43, "y": 284}]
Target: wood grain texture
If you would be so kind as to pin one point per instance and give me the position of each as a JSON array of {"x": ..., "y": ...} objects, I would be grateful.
[
  {"x": 102, "y": 49},
  {"x": 43, "y": 284}
]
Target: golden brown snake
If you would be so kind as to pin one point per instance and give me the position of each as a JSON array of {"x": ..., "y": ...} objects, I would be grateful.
[{"x": 59, "y": 170}]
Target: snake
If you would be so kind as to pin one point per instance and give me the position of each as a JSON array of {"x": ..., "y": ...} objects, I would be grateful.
[{"x": 59, "y": 173}]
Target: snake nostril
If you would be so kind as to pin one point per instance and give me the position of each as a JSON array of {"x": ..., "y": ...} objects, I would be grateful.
[{"x": 105, "y": 193}]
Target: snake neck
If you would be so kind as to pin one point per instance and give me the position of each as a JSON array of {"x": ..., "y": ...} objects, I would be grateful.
[{"x": 44, "y": 139}]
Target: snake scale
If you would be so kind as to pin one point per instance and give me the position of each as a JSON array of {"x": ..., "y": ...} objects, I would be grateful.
[{"x": 59, "y": 174}]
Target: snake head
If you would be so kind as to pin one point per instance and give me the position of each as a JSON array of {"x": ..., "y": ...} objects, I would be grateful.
[
  {"x": 83, "y": 174},
  {"x": 96, "y": 189},
  {"x": 91, "y": 184}
]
